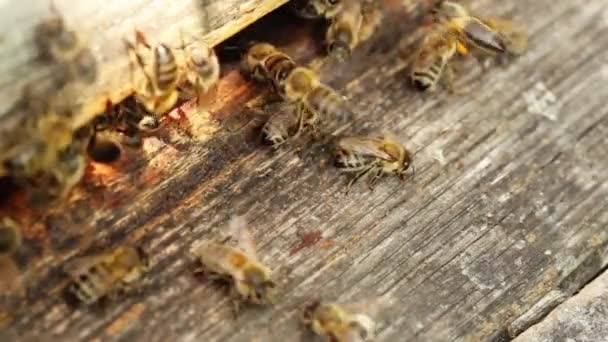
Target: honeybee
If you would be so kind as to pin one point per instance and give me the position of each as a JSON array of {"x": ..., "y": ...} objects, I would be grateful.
[
  {"x": 311, "y": 9},
  {"x": 476, "y": 33},
  {"x": 295, "y": 84},
  {"x": 58, "y": 43},
  {"x": 431, "y": 62},
  {"x": 343, "y": 33},
  {"x": 251, "y": 280},
  {"x": 106, "y": 275},
  {"x": 371, "y": 157},
  {"x": 337, "y": 323},
  {"x": 280, "y": 126},
  {"x": 10, "y": 236},
  {"x": 128, "y": 118},
  {"x": 265, "y": 63},
  {"x": 303, "y": 86},
  {"x": 155, "y": 89},
  {"x": 202, "y": 70},
  {"x": 286, "y": 123}
]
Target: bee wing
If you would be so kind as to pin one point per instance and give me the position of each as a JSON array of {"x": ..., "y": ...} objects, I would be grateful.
[
  {"x": 241, "y": 233},
  {"x": 371, "y": 308},
  {"x": 364, "y": 146},
  {"x": 484, "y": 36}
]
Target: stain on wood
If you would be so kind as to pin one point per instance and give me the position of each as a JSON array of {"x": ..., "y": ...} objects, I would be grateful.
[{"x": 508, "y": 203}]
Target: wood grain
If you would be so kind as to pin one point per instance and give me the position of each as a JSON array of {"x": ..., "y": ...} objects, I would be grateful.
[{"x": 508, "y": 203}]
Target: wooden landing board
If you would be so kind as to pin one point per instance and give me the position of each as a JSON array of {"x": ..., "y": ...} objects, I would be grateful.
[{"x": 509, "y": 201}]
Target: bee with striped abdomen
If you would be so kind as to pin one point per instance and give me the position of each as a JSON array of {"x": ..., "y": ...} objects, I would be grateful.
[
  {"x": 343, "y": 33},
  {"x": 431, "y": 62},
  {"x": 106, "y": 275},
  {"x": 371, "y": 158},
  {"x": 250, "y": 280},
  {"x": 493, "y": 36},
  {"x": 156, "y": 86},
  {"x": 338, "y": 323}
]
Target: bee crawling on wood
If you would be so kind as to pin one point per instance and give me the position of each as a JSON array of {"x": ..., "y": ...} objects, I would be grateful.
[
  {"x": 10, "y": 236},
  {"x": 105, "y": 275},
  {"x": 300, "y": 86},
  {"x": 493, "y": 36},
  {"x": 281, "y": 125},
  {"x": 371, "y": 158},
  {"x": 343, "y": 322},
  {"x": 58, "y": 43},
  {"x": 250, "y": 280}
]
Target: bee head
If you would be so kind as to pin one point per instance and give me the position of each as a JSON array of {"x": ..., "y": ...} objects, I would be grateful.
[
  {"x": 309, "y": 311},
  {"x": 148, "y": 123},
  {"x": 446, "y": 10},
  {"x": 301, "y": 81},
  {"x": 255, "y": 55},
  {"x": 339, "y": 50},
  {"x": 262, "y": 289},
  {"x": 10, "y": 236}
]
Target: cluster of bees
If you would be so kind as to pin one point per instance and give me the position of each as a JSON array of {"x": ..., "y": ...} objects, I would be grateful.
[{"x": 164, "y": 75}]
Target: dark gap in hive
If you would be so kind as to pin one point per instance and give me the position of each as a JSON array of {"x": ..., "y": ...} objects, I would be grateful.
[{"x": 103, "y": 150}]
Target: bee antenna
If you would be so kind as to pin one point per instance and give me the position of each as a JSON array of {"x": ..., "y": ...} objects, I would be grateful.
[{"x": 140, "y": 38}]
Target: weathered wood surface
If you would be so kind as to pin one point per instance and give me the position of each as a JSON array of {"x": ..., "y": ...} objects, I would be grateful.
[
  {"x": 584, "y": 317},
  {"x": 507, "y": 206},
  {"x": 104, "y": 25}
]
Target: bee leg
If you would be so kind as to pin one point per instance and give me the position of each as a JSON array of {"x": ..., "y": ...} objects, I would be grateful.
[
  {"x": 133, "y": 137},
  {"x": 483, "y": 61},
  {"x": 300, "y": 111},
  {"x": 235, "y": 301},
  {"x": 357, "y": 177},
  {"x": 373, "y": 179},
  {"x": 448, "y": 80}
]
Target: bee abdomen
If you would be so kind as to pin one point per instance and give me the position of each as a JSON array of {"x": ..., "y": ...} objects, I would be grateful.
[
  {"x": 90, "y": 286},
  {"x": 166, "y": 68},
  {"x": 425, "y": 79},
  {"x": 328, "y": 104},
  {"x": 345, "y": 160}
]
